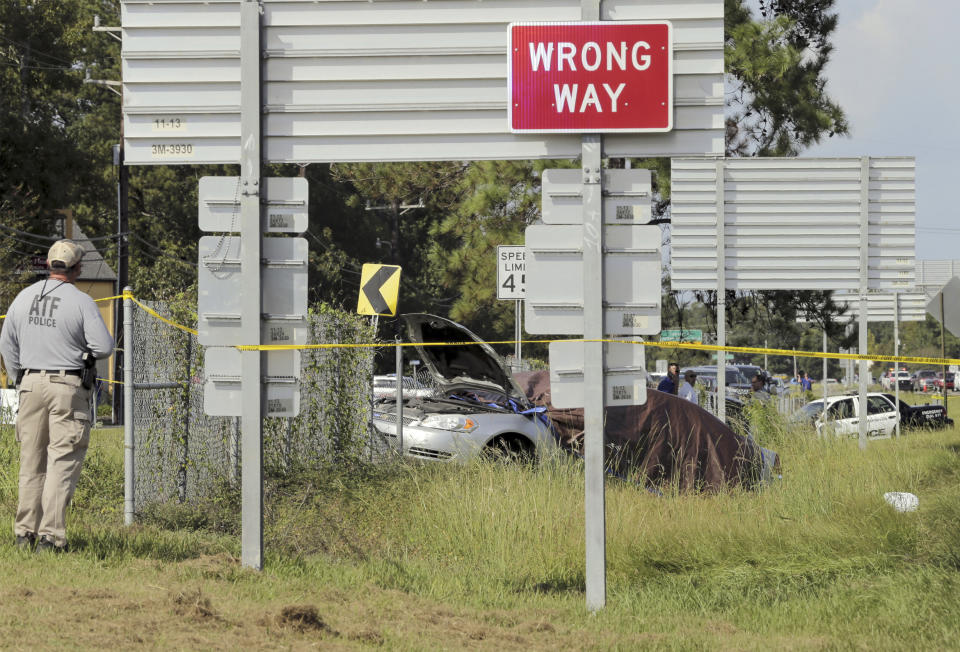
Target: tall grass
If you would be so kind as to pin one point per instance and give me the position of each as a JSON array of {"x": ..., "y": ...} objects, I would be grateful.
[{"x": 816, "y": 559}]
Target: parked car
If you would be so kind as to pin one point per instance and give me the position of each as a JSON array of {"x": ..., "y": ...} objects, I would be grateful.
[
  {"x": 924, "y": 380},
  {"x": 776, "y": 385},
  {"x": 386, "y": 385},
  {"x": 737, "y": 383},
  {"x": 939, "y": 380},
  {"x": 477, "y": 407},
  {"x": 921, "y": 416},
  {"x": 654, "y": 378},
  {"x": 843, "y": 415},
  {"x": 901, "y": 377}
]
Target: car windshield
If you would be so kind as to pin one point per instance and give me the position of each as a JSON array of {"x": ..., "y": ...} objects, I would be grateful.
[{"x": 809, "y": 412}]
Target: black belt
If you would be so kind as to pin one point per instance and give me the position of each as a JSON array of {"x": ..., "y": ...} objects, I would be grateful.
[{"x": 55, "y": 372}]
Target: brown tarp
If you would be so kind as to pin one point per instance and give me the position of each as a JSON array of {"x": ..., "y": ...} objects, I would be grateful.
[{"x": 666, "y": 442}]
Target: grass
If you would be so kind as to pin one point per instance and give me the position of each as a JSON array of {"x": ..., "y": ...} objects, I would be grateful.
[{"x": 487, "y": 557}]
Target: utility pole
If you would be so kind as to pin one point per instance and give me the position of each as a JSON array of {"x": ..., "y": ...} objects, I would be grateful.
[
  {"x": 123, "y": 252},
  {"x": 397, "y": 209},
  {"x": 123, "y": 193}
]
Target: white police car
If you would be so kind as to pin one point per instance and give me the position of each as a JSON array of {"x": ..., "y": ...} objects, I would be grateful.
[{"x": 843, "y": 415}]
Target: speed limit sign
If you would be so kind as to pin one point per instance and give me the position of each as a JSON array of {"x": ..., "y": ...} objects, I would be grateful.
[{"x": 511, "y": 272}]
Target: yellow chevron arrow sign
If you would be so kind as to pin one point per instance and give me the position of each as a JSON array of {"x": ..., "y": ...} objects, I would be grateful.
[{"x": 379, "y": 288}]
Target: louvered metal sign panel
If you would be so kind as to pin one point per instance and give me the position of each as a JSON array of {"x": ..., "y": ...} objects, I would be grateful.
[
  {"x": 626, "y": 196},
  {"x": 383, "y": 80},
  {"x": 625, "y": 374},
  {"x": 284, "y": 207},
  {"x": 554, "y": 264},
  {"x": 221, "y": 283},
  {"x": 912, "y": 306},
  {"x": 932, "y": 275},
  {"x": 793, "y": 223},
  {"x": 281, "y": 380}
]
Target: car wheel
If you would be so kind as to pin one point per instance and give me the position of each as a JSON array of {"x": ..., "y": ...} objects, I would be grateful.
[{"x": 509, "y": 450}]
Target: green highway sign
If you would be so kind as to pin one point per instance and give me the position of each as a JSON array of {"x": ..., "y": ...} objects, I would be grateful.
[{"x": 685, "y": 335}]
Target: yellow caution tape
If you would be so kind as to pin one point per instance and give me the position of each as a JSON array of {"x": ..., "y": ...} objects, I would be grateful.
[
  {"x": 153, "y": 312},
  {"x": 119, "y": 296},
  {"x": 660, "y": 345}
]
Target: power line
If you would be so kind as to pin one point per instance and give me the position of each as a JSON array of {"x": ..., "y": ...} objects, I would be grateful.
[
  {"x": 34, "y": 52},
  {"x": 161, "y": 252},
  {"x": 23, "y": 67},
  {"x": 53, "y": 238}
]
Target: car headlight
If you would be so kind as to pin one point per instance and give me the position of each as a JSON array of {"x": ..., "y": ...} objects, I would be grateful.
[{"x": 449, "y": 422}]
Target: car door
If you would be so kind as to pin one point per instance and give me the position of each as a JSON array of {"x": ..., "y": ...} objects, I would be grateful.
[
  {"x": 881, "y": 417},
  {"x": 842, "y": 417}
]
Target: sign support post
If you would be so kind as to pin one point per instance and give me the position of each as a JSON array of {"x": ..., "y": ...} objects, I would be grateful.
[
  {"x": 824, "y": 377},
  {"x": 518, "y": 330},
  {"x": 943, "y": 352},
  {"x": 864, "y": 281},
  {"x": 721, "y": 299},
  {"x": 595, "y": 518},
  {"x": 251, "y": 536},
  {"x": 896, "y": 354},
  {"x": 399, "y": 390},
  {"x": 594, "y": 499},
  {"x": 129, "y": 443}
]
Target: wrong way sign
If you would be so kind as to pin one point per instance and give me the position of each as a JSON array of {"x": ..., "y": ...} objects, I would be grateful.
[{"x": 591, "y": 77}]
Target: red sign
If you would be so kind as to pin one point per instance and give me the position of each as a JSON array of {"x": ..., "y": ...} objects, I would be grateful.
[{"x": 591, "y": 77}]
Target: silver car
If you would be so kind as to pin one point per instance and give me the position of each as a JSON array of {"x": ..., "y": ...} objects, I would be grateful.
[{"x": 476, "y": 408}]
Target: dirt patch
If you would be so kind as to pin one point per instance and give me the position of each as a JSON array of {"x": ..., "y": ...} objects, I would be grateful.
[
  {"x": 720, "y": 627},
  {"x": 93, "y": 594},
  {"x": 214, "y": 567},
  {"x": 540, "y": 628},
  {"x": 303, "y": 618},
  {"x": 194, "y": 605},
  {"x": 368, "y": 637}
]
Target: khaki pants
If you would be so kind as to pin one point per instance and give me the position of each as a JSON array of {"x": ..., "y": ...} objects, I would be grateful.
[{"x": 53, "y": 428}]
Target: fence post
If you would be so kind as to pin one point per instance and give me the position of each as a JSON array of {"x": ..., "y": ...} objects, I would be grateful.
[
  {"x": 185, "y": 443},
  {"x": 129, "y": 488},
  {"x": 233, "y": 448},
  {"x": 399, "y": 351}
]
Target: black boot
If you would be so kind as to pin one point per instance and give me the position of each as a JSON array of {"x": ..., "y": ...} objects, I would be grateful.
[
  {"x": 26, "y": 541},
  {"x": 46, "y": 544}
]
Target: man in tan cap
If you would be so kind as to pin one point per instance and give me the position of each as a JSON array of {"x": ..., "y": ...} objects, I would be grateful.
[{"x": 52, "y": 332}]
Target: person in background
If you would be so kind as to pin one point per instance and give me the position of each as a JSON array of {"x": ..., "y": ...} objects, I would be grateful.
[
  {"x": 51, "y": 338},
  {"x": 805, "y": 383},
  {"x": 687, "y": 390},
  {"x": 758, "y": 388},
  {"x": 671, "y": 382}
]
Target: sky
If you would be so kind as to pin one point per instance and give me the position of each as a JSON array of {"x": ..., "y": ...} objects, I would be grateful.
[{"x": 893, "y": 71}]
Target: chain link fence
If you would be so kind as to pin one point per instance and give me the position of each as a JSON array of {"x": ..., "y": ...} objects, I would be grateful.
[{"x": 181, "y": 454}]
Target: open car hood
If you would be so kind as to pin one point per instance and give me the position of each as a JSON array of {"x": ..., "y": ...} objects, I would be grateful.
[{"x": 463, "y": 365}]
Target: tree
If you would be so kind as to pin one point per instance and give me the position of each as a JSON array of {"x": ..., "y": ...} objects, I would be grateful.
[
  {"x": 45, "y": 159},
  {"x": 779, "y": 105}
]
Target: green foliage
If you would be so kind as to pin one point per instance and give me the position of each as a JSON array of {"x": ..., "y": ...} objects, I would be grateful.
[
  {"x": 335, "y": 392},
  {"x": 779, "y": 105}
]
